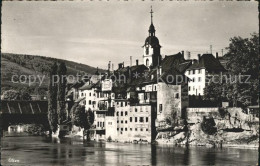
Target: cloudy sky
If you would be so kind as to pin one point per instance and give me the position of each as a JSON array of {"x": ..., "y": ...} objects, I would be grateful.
[{"x": 96, "y": 32}]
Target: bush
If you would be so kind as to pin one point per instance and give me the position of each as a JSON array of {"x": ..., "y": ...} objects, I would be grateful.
[{"x": 208, "y": 126}]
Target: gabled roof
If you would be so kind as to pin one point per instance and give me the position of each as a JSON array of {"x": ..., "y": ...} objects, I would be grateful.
[
  {"x": 184, "y": 66},
  {"x": 171, "y": 76},
  {"x": 174, "y": 61},
  {"x": 86, "y": 86},
  {"x": 208, "y": 62},
  {"x": 80, "y": 99}
]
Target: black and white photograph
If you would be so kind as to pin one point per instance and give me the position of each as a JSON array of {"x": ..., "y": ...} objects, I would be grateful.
[{"x": 129, "y": 83}]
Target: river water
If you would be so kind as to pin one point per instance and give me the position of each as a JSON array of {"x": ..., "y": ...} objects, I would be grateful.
[{"x": 32, "y": 150}]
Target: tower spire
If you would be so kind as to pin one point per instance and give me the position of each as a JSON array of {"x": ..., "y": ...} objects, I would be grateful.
[
  {"x": 151, "y": 14},
  {"x": 151, "y": 28}
]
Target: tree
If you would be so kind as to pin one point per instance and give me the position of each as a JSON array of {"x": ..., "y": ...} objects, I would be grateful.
[
  {"x": 208, "y": 126},
  {"x": 61, "y": 105},
  {"x": 82, "y": 118},
  {"x": 242, "y": 84},
  {"x": 11, "y": 95},
  {"x": 52, "y": 99}
]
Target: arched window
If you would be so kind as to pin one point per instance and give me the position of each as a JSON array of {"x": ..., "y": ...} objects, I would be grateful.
[{"x": 147, "y": 62}]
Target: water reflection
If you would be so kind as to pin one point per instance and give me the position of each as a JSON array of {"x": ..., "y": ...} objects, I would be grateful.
[{"x": 67, "y": 151}]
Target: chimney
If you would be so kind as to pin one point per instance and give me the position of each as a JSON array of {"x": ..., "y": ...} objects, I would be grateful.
[
  {"x": 198, "y": 57},
  {"x": 216, "y": 55},
  {"x": 182, "y": 52},
  {"x": 188, "y": 55},
  {"x": 120, "y": 65},
  {"x": 130, "y": 61},
  {"x": 136, "y": 62},
  {"x": 109, "y": 65}
]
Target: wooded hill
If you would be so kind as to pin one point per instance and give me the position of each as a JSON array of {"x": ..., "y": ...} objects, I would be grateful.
[{"x": 19, "y": 64}]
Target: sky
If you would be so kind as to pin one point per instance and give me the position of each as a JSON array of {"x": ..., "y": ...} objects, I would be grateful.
[{"x": 94, "y": 32}]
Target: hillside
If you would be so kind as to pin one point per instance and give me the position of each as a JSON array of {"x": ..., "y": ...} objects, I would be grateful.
[{"x": 38, "y": 66}]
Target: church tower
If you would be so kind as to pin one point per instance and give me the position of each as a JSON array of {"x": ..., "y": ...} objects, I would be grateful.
[{"x": 152, "y": 54}]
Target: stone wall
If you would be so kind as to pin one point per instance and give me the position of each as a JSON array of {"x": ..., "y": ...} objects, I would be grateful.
[{"x": 195, "y": 115}]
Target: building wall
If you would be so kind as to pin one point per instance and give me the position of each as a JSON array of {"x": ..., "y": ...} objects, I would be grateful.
[
  {"x": 133, "y": 123},
  {"x": 168, "y": 99},
  {"x": 197, "y": 84},
  {"x": 111, "y": 127}
]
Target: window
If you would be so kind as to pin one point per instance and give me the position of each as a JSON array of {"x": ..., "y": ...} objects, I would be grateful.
[
  {"x": 141, "y": 129},
  {"x": 146, "y": 129},
  {"x": 199, "y": 71},
  {"x": 135, "y": 109},
  {"x": 103, "y": 124},
  {"x": 122, "y": 113},
  {"x": 193, "y": 87},
  {"x": 193, "y": 71},
  {"x": 177, "y": 95},
  {"x": 122, "y": 129},
  {"x": 82, "y": 94},
  {"x": 189, "y": 88},
  {"x": 146, "y": 119},
  {"x": 154, "y": 88},
  {"x": 97, "y": 124},
  {"x": 135, "y": 129},
  {"x": 125, "y": 129},
  {"x": 199, "y": 79},
  {"x": 189, "y": 72},
  {"x": 135, "y": 119},
  {"x": 126, "y": 103},
  {"x": 117, "y": 129},
  {"x": 193, "y": 80},
  {"x": 89, "y": 94},
  {"x": 122, "y": 121},
  {"x": 117, "y": 114},
  {"x": 130, "y": 129},
  {"x": 118, "y": 121},
  {"x": 122, "y": 105},
  {"x": 126, "y": 113},
  {"x": 131, "y": 119},
  {"x": 160, "y": 108},
  {"x": 89, "y": 102},
  {"x": 141, "y": 119},
  {"x": 147, "y": 50},
  {"x": 126, "y": 121}
]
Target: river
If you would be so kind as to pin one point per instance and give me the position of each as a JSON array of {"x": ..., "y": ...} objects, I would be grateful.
[{"x": 37, "y": 150}]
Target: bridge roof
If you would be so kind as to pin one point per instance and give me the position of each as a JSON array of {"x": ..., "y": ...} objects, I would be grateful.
[{"x": 23, "y": 107}]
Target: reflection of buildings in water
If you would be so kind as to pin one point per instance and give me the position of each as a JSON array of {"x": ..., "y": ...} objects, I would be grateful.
[{"x": 153, "y": 154}]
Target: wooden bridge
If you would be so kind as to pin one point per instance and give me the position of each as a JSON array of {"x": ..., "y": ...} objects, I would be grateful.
[{"x": 23, "y": 112}]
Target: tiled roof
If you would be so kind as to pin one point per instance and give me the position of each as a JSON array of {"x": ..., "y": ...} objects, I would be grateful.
[
  {"x": 208, "y": 62},
  {"x": 86, "y": 86},
  {"x": 174, "y": 61},
  {"x": 184, "y": 66},
  {"x": 80, "y": 99}
]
